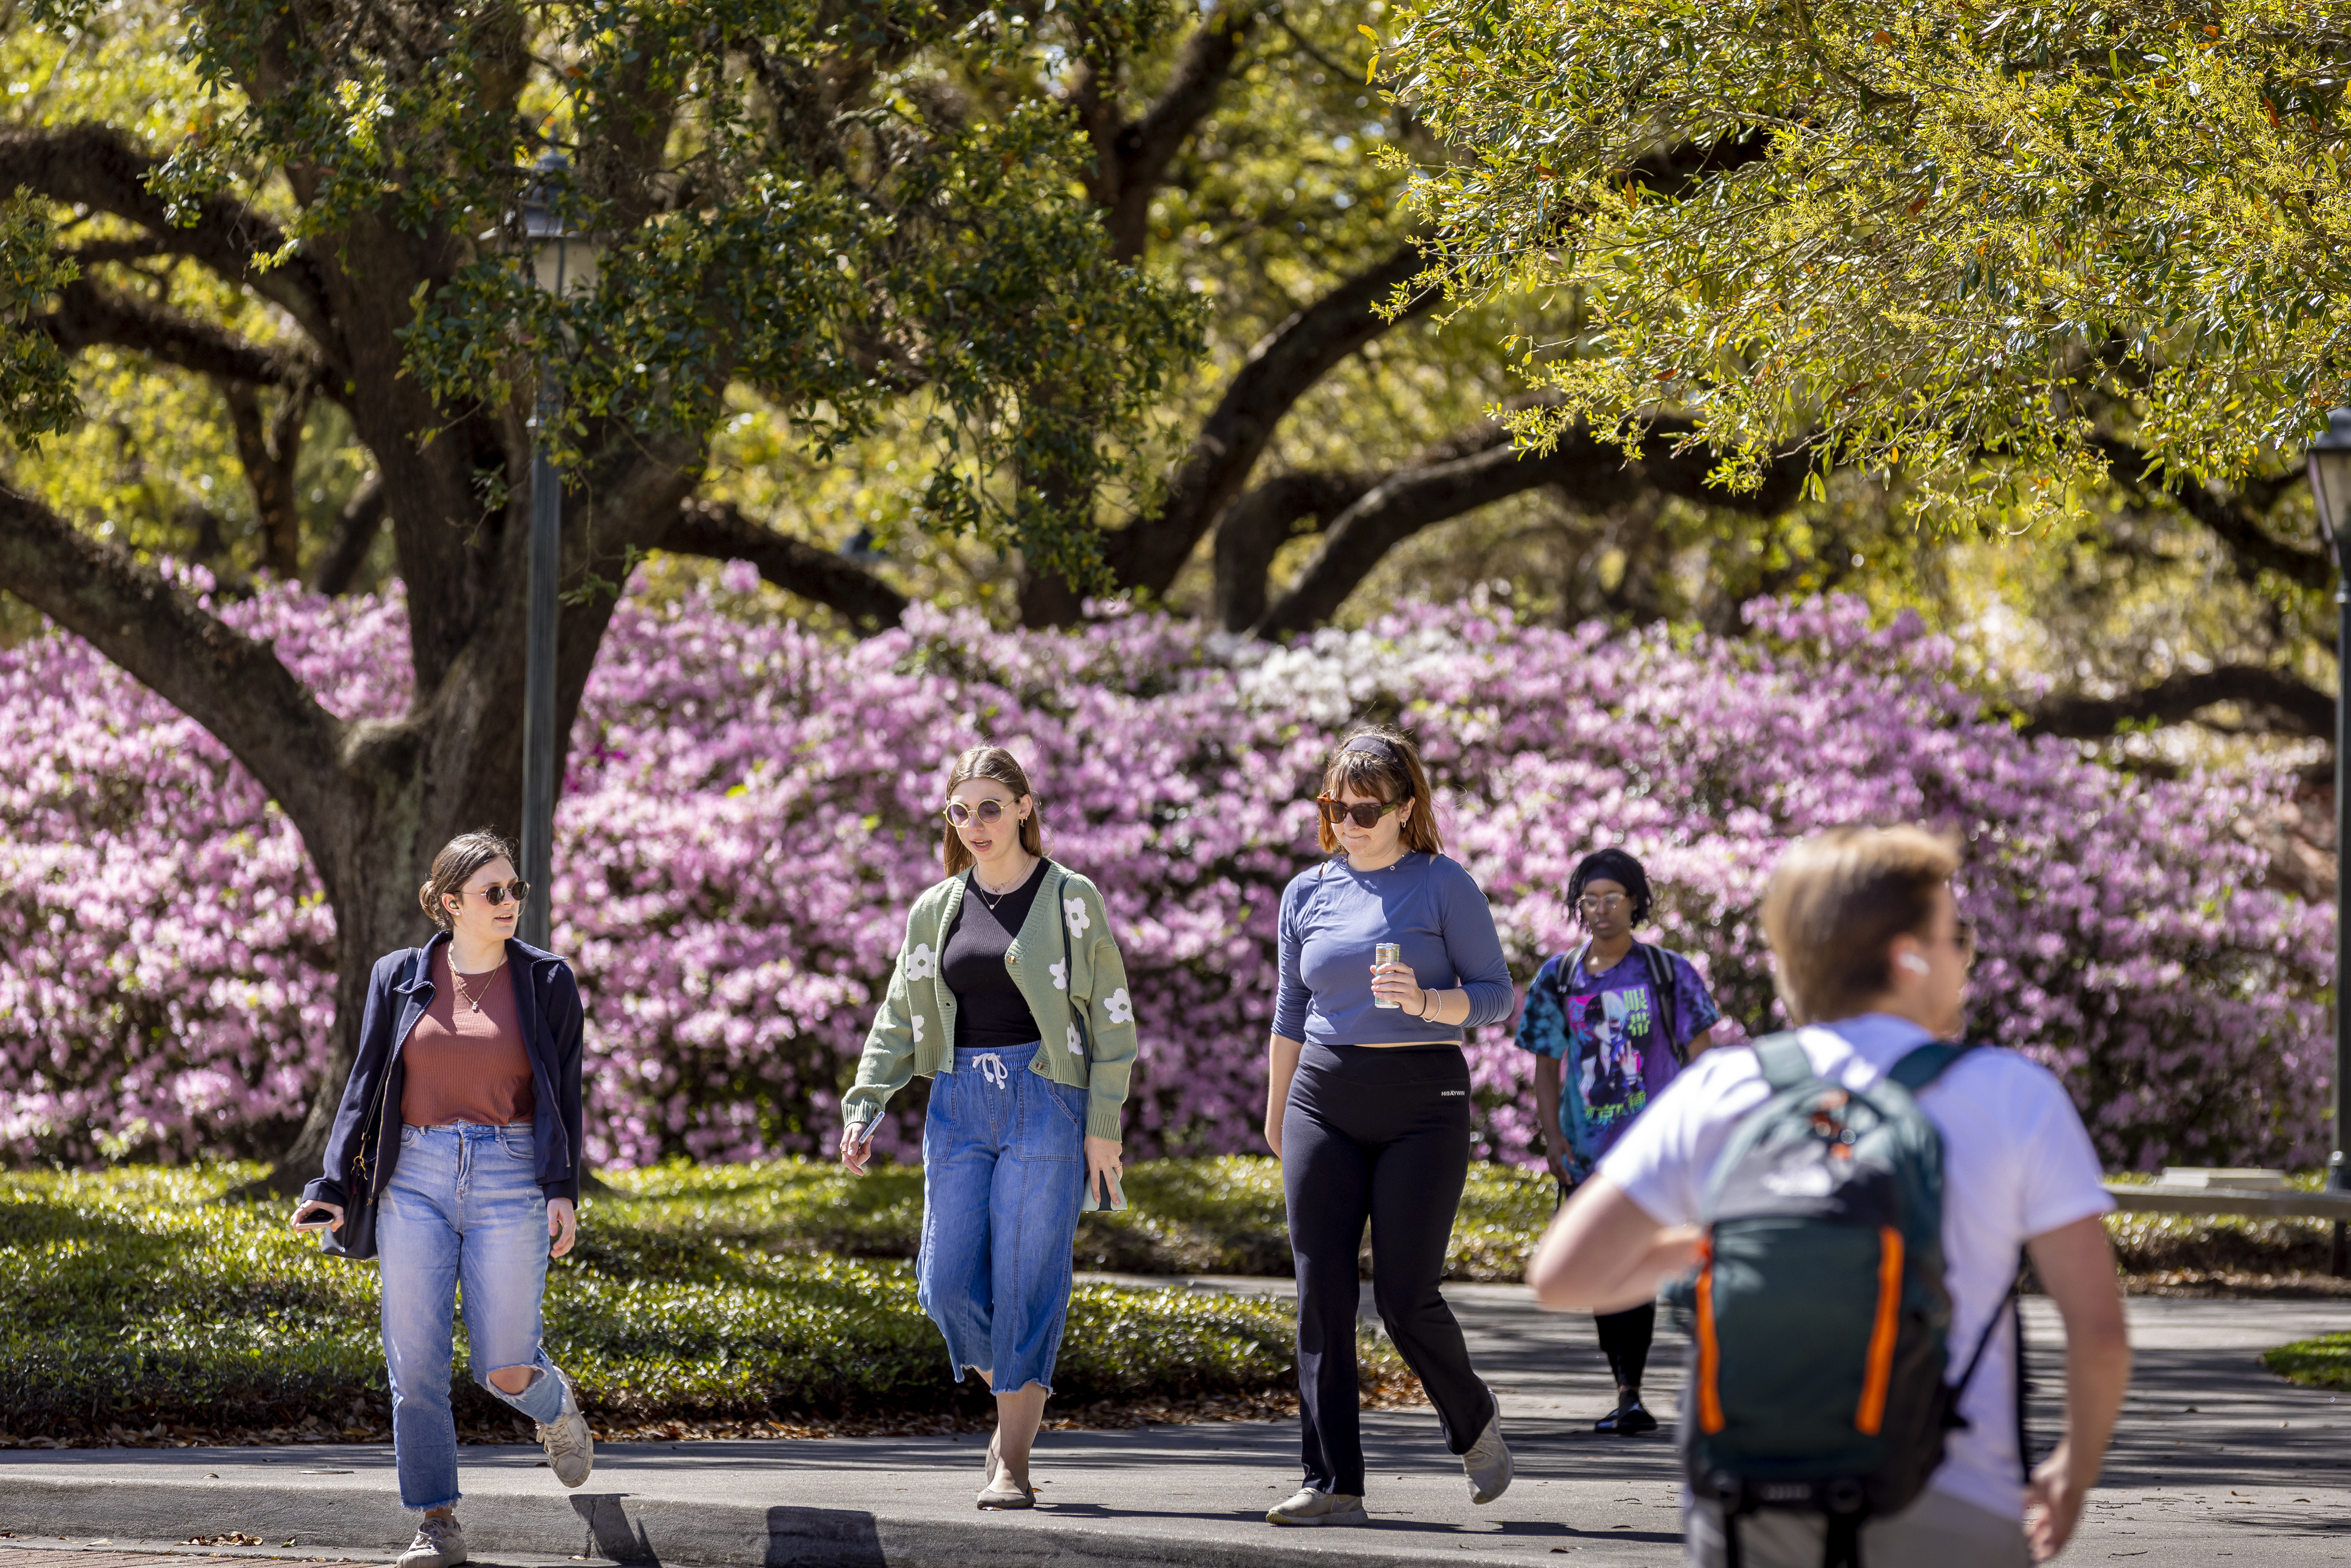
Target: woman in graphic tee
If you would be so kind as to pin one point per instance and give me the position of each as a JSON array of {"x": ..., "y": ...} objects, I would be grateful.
[{"x": 1610, "y": 1024}]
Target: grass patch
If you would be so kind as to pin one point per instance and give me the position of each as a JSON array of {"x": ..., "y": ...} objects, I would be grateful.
[
  {"x": 2321, "y": 1362},
  {"x": 131, "y": 1300},
  {"x": 1211, "y": 1216}
]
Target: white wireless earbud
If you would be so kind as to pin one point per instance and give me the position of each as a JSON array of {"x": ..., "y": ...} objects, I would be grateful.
[{"x": 1915, "y": 964}]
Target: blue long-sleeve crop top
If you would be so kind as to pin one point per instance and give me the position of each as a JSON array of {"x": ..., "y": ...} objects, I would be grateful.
[{"x": 1333, "y": 915}]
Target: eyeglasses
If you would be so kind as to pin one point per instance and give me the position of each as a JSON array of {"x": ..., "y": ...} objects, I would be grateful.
[
  {"x": 494, "y": 895},
  {"x": 1363, "y": 813},
  {"x": 1599, "y": 902},
  {"x": 989, "y": 813}
]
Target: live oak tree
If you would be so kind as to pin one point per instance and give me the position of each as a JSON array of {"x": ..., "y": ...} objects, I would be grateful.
[
  {"x": 2025, "y": 257},
  {"x": 784, "y": 201},
  {"x": 245, "y": 233}
]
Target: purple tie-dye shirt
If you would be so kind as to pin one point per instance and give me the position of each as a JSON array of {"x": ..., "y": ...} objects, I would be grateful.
[{"x": 1615, "y": 1042}]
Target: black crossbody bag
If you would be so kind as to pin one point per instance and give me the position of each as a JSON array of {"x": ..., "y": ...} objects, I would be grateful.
[{"x": 355, "y": 1238}]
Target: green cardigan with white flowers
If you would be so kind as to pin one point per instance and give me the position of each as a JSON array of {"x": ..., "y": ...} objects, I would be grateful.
[{"x": 914, "y": 1034}]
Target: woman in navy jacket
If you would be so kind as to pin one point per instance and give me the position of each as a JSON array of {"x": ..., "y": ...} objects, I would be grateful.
[{"x": 455, "y": 1158}]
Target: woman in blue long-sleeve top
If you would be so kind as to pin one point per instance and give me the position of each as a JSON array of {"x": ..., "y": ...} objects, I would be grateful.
[{"x": 1367, "y": 1106}]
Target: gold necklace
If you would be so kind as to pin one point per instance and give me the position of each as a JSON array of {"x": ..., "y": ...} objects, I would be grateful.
[{"x": 471, "y": 999}]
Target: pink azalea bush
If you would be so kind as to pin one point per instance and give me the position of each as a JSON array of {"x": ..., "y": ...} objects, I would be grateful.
[{"x": 749, "y": 808}]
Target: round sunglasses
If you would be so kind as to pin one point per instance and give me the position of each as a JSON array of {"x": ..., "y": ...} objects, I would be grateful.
[
  {"x": 1363, "y": 813},
  {"x": 989, "y": 813},
  {"x": 495, "y": 896}
]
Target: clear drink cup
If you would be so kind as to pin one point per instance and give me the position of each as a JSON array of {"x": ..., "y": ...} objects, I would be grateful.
[{"x": 1387, "y": 953}]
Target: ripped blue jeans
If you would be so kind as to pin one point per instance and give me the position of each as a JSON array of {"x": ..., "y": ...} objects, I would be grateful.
[
  {"x": 1004, "y": 1175},
  {"x": 463, "y": 1209}
]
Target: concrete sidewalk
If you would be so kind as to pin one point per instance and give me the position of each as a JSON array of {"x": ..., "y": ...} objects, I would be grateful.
[{"x": 2215, "y": 1459}]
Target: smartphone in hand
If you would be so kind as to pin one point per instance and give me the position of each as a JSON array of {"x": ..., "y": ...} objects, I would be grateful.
[
  {"x": 315, "y": 1219},
  {"x": 1107, "y": 1196}
]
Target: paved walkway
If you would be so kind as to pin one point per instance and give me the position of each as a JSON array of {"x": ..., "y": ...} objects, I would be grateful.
[{"x": 2215, "y": 1459}]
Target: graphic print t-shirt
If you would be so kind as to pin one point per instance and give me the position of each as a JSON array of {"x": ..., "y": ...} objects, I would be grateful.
[{"x": 1615, "y": 1040}]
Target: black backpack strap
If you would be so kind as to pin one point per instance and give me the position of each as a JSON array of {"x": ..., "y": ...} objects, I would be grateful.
[
  {"x": 1661, "y": 986},
  {"x": 1842, "y": 1548},
  {"x": 1927, "y": 1063},
  {"x": 2012, "y": 1306},
  {"x": 1784, "y": 1063}
]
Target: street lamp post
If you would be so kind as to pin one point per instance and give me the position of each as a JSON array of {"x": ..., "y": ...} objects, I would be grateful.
[
  {"x": 561, "y": 262},
  {"x": 2330, "y": 487}
]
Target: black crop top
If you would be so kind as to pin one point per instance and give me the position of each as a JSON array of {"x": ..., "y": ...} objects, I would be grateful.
[{"x": 990, "y": 1012}]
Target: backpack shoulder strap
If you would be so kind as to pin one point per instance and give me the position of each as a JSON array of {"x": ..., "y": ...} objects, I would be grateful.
[
  {"x": 1661, "y": 987},
  {"x": 1927, "y": 1063},
  {"x": 1783, "y": 1060}
]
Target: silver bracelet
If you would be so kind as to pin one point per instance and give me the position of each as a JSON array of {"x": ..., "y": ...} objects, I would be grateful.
[{"x": 1428, "y": 1007}]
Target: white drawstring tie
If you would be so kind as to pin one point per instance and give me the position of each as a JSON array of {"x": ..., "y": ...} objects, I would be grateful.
[{"x": 992, "y": 1068}]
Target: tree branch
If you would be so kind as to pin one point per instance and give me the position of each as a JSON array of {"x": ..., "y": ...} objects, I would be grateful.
[
  {"x": 355, "y": 531},
  {"x": 2251, "y": 547},
  {"x": 1132, "y": 156},
  {"x": 96, "y": 166},
  {"x": 1148, "y": 553},
  {"x": 233, "y": 686},
  {"x": 2287, "y": 703},
  {"x": 1598, "y": 477},
  {"x": 86, "y": 316},
  {"x": 1255, "y": 527},
  {"x": 268, "y": 450},
  {"x": 720, "y": 530}
]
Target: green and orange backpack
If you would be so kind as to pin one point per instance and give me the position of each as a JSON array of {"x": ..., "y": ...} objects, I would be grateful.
[{"x": 1818, "y": 1307}]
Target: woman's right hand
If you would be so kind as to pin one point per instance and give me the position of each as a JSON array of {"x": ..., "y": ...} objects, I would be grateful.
[
  {"x": 333, "y": 1211},
  {"x": 1273, "y": 1134},
  {"x": 856, "y": 1150}
]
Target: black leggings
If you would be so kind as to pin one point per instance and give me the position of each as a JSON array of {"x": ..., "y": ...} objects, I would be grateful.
[
  {"x": 1380, "y": 1133},
  {"x": 1625, "y": 1336},
  {"x": 1624, "y": 1339}
]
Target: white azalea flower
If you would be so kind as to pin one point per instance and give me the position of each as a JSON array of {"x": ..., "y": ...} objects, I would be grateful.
[
  {"x": 1118, "y": 1007},
  {"x": 1060, "y": 975},
  {"x": 921, "y": 962},
  {"x": 1075, "y": 908}
]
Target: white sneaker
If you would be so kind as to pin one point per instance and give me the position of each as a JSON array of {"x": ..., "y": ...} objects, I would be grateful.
[
  {"x": 1487, "y": 1463},
  {"x": 571, "y": 1451},
  {"x": 1312, "y": 1507},
  {"x": 439, "y": 1544}
]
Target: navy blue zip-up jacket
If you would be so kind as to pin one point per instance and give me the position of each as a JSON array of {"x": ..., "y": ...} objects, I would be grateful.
[{"x": 547, "y": 1006}]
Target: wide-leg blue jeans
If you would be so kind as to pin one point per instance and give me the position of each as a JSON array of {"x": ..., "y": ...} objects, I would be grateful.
[
  {"x": 463, "y": 1208},
  {"x": 1004, "y": 1175}
]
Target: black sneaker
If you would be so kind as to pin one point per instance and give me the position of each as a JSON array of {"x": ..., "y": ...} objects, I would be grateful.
[{"x": 1627, "y": 1420}]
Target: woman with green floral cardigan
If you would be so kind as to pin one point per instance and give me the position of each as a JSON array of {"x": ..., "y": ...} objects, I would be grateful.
[{"x": 1010, "y": 997}]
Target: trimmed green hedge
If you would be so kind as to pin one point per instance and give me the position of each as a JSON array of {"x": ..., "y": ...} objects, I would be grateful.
[
  {"x": 132, "y": 1298},
  {"x": 1216, "y": 1215}
]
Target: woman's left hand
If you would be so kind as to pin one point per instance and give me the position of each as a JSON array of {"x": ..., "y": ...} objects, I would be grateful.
[
  {"x": 562, "y": 1225},
  {"x": 1102, "y": 1160},
  {"x": 1395, "y": 983}
]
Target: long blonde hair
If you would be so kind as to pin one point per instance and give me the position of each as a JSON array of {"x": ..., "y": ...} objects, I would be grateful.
[{"x": 993, "y": 763}]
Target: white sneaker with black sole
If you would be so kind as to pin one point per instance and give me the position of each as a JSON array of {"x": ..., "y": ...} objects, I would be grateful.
[
  {"x": 440, "y": 1543},
  {"x": 1312, "y": 1507},
  {"x": 1488, "y": 1462},
  {"x": 570, "y": 1450}
]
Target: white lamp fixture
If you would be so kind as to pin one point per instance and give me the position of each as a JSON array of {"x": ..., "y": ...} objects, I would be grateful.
[{"x": 562, "y": 260}]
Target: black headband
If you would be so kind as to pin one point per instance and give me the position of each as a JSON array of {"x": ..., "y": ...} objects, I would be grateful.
[{"x": 1377, "y": 746}]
